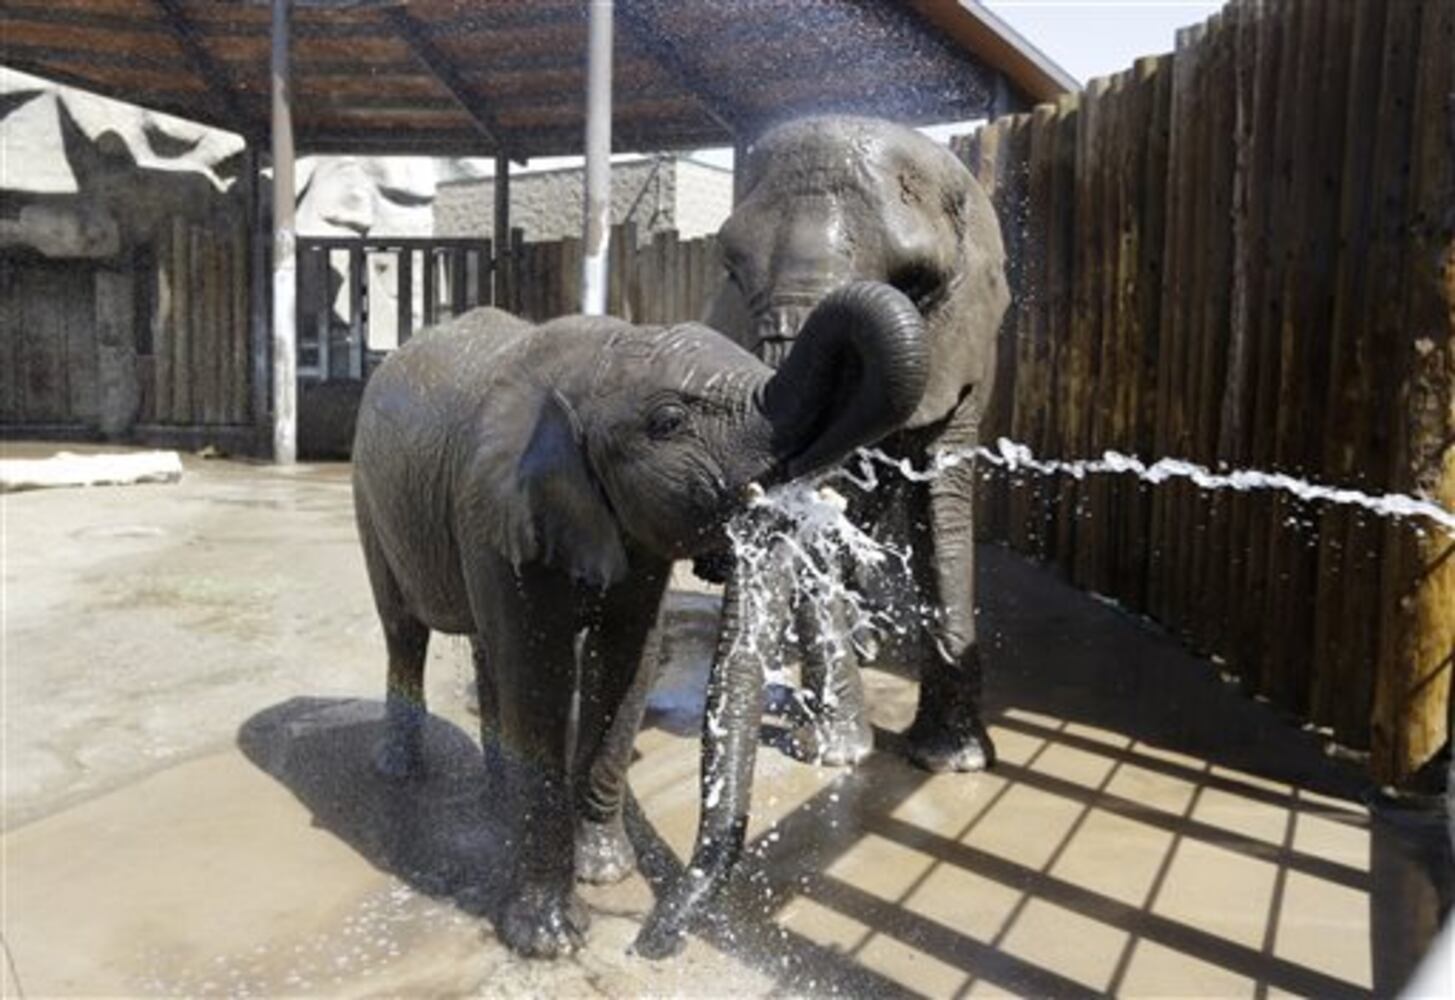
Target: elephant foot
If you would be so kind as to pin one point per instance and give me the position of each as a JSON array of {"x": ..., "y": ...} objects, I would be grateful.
[
  {"x": 544, "y": 923},
  {"x": 942, "y": 748},
  {"x": 604, "y": 854},
  {"x": 839, "y": 742}
]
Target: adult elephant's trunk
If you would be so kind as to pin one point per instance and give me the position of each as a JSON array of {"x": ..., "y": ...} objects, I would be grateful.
[{"x": 857, "y": 371}]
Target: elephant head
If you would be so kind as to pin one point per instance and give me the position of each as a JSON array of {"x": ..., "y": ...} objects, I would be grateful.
[
  {"x": 833, "y": 199},
  {"x": 650, "y": 437}
]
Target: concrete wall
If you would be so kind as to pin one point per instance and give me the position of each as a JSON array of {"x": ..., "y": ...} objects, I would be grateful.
[
  {"x": 657, "y": 194},
  {"x": 703, "y": 198}
]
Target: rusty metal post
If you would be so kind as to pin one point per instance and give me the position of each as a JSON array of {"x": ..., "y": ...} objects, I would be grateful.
[
  {"x": 501, "y": 231},
  {"x": 285, "y": 260},
  {"x": 597, "y": 235}
]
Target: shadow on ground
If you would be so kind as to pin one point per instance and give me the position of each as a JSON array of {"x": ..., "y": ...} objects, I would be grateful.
[
  {"x": 440, "y": 833},
  {"x": 1148, "y": 829}
]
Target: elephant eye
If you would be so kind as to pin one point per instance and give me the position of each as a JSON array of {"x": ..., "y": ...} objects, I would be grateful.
[
  {"x": 666, "y": 420},
  {"x": 921, "y": 282}
]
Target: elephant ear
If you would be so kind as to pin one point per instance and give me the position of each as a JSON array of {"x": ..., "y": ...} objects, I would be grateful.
[
  {"x": 728, "y": 314},
  {"x": 571, "y": 524}
]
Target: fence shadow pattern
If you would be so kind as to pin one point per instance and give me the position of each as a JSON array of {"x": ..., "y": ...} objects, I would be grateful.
[{"x": 1243, "y": 254}]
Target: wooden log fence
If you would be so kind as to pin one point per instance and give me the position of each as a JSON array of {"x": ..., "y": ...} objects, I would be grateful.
[
  {"x": 196, "y": 373},
  {"x": 1242, "y": 254},
  {"x": 664, "y": 281}
]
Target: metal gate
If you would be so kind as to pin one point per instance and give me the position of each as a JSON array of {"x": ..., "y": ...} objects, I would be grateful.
[{"x": 359, "y": 298}]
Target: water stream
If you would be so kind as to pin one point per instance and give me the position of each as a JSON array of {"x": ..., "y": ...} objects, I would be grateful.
[{"x": 793, "y": 541}]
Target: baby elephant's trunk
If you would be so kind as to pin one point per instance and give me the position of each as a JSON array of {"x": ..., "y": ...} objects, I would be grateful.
[
  {"x": 856, "y": 372},
  {"x": 729, "y": 748}
]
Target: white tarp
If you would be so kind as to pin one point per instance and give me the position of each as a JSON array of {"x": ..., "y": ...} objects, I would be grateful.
[{"x": 70, "y": 469}]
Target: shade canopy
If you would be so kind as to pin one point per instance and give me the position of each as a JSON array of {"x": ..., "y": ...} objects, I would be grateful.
[{"x": 506, "y": 77}]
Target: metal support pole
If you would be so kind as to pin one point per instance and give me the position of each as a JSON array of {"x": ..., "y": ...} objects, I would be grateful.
[
  {"x": 597, "y": 236},
  {"x": 740, "y": 165},
  {"x": 285, "y": 260},
  {"x": 501, "y": 230}
]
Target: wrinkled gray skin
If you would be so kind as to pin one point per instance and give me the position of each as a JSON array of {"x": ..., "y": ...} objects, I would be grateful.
[
  {"x": 836, "y": 199},
  {"x": 529, "y": 487},
  {"x": 826, "y": 201}
]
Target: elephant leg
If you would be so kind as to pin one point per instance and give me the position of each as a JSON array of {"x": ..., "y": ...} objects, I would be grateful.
[
  {"x": 947, "y": 733},
  {"x": 619, "y": 666},
  {"x": 400, "y": 754},
  {"x": 837, "y": 732},
  {"x": 529, "y": 619},
  {"x": 487, "y": 700}
]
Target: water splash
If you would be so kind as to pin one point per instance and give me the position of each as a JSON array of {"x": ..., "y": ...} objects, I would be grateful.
[
  {"x": 1015, "y": 457},
  {"x": 790, "y": 546},
  {"x": 796, "y": 543}
]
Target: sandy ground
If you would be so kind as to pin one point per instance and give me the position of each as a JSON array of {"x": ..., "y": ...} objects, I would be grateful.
[{"x": 191, "y": 685}]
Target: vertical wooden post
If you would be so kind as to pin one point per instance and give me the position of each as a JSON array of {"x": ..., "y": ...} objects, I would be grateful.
[
  {"x": 1368, "y": 280},
  {"x": 484, "y": 275},
  {"x": 358, "y": 295},
  {"x": 259, "y": 292},
  {"x": 1411, "y": 716},
  {"x": 238, "y": 317},
  {"x": 163, "y": 327},
  {"x": 204, "y": 328},
  {"x": 183, "y": 334},
  {"x": 431, "y": 287},
  {"x": 404, "y": 275},
  {"x": 285, "y": 262}
]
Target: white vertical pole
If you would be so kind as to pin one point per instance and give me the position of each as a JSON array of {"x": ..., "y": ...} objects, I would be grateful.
[
  {"x": 597, "y": 236},
  {"x": 285, "y": 261}
]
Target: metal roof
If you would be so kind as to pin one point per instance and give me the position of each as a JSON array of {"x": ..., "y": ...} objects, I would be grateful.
[{"x": 480, "y": 77}]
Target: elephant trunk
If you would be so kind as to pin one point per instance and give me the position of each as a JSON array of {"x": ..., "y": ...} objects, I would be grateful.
[
  {"x": 729, "y": 747},
  {"x": 857, "y": 370}
]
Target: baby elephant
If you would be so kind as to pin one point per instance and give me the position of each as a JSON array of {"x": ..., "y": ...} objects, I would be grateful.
[{"x": 529, "y": 486}]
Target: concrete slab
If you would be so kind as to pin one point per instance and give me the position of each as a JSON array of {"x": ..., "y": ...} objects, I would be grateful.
[{"x": 191, "y": 677}]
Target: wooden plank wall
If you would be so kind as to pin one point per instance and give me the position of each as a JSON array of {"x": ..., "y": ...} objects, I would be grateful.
[
  {"x": 48, "y": 368},
  {"x": 664, "y": 281},
  {"x": 1243, "y": 255},
  {"x": 199, "y": 371}
]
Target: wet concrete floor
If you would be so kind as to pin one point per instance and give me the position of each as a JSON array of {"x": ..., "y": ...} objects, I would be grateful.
[{"x": 191, "y": 684}]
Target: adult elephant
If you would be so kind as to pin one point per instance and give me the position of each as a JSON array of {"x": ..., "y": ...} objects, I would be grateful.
[
  {"x": 827, "y": 201},
  {"x": 529, "y": 486}
]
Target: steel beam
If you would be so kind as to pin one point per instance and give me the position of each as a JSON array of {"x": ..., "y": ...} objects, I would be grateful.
[
  {"x": 218, "y": 80},
  {"x": 447, "y": 75},
  {"x": 285, "y": 258},
  {"x": 596, "y": 239}
]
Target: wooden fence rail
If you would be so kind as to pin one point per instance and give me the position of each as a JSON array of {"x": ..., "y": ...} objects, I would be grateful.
[
  {"x": 1243, "y": 255},
  {"x": 665, "y": 281}
]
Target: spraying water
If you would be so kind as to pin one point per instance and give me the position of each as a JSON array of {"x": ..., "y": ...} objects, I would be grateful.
[
  {"x": 1016, "y": 457},
  {"x": 791, "y": 542},
  {"x": 800, "y": 533}
]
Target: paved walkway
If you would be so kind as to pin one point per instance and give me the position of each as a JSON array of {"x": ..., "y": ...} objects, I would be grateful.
[{"x": 191, "y": 684}]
